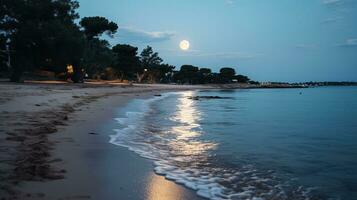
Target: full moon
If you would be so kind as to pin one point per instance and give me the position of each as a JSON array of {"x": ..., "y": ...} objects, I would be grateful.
[{"x": 184, "y": 45}]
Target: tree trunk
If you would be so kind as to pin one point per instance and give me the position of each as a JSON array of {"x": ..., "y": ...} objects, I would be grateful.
[
  {"x": 16, "y": 74},
  {"x": 140, "y": 77}
]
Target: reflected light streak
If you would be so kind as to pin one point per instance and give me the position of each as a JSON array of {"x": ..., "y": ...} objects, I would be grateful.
[
  {"x": 161, "y": 189},
  {"x": 188, "y": 116}
]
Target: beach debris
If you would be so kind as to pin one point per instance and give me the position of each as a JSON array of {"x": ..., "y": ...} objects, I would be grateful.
[
  {"x": 157, "y": 95},
  {"x": 92, "y": 133},
  {"x": 208, "y": 97},
  {"x": 58, "y": 123}
]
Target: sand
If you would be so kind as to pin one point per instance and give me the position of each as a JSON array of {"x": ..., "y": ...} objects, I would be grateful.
[{"x": 54, "y": 144}]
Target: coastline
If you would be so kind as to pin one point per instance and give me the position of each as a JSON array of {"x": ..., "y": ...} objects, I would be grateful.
[
  {"x": 64, "y": 131},
  {"x": 55, "y": 143}
]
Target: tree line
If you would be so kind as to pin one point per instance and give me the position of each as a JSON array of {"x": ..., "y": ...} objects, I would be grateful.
[{"x": 48, "y": 35}]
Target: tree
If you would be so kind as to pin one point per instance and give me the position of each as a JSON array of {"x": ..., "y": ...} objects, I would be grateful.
[
  {"x": 63, "y": 46},
  {"x": 3, "y": 53},
  {"x": 160, "y": 73},
  {"x": 187, "y": 74},
  {"x": 126, "y": 62},
  {"x": 205, "y": 75},
  {"x": 96, "y": 26},
  {"x": 205, "y": 71},
  {"x": 227, "y": 74},
  {"x": 98, "y": 55},
  {"x": 242, "y": 79},
  {"x": 35, "y": 28},
  {"x": 149, "y": 58},
  {"x": 5, "y": 28},
  {"x": 150, "y": 62}
]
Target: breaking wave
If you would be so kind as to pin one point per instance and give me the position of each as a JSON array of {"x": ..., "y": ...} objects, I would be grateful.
[{"x": 167, "y": 130}]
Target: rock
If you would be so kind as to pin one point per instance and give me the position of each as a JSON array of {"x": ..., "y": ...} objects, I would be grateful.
[{"x": 208, "y": 97}]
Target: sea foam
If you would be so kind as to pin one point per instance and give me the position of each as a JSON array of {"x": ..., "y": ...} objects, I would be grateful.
[{"x": 180, "y": 156}]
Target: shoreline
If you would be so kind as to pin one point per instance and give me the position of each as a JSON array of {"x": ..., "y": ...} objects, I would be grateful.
[
  {"x": 38, "y": 119},
  {"x": 55, "y": 143},
  {"x": 51, "y": 162}
]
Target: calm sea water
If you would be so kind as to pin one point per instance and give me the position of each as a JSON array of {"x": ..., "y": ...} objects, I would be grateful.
[{"x": 256, "y": 144}]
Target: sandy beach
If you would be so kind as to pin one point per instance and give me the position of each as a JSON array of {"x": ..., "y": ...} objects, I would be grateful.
[
  {"x": 178, "y": 100},
  {"x": 54, "y": 144}
]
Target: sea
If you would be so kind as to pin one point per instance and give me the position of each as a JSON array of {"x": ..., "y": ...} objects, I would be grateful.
[{"x": 250, "y": 143}]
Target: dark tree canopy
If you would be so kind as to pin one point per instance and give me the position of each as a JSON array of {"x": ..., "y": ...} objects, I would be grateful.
[
  {"x": 149, "y": 58},
  {"x": 14, "y": 13},
  {"x": 227, "y": 74},
  {"x": 187, "y": 74},
  {"x": 227, "y": 71},
  {"x": 97, "y": 57},
  {"x": 127, "y": 61},
  {"x": 42, "y": 33},
  {"x": 160, "y": 73},
  {"x": 96, "y": 26},
  {"x": 189, "y": 69},
  {"x": 205, "y": 71},
  {"x": 152, "y": 64},
  {"x": 3, "y": 54},
  {"x": 242, "y": 79}
]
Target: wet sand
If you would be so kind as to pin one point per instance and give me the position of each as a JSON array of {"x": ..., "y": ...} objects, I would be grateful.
[{"x": 54, "y": 144}]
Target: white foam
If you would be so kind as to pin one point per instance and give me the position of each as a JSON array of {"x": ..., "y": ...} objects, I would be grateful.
[{"x": 135, "y": 135}]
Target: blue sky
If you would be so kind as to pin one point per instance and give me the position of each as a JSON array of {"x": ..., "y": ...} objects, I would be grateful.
[{"x": 276, "y": 40}]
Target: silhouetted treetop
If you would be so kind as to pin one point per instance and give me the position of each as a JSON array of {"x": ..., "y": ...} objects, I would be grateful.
[
  {"x": 96, "y": 26},
  {"x": 149, "y": 58},
  {"x": 126, "y": 62},
  {"x": 227, "y": 72},
  {"x": 189, "y": 69},
  {"x": 242, "y": 79},
  {"x": 125, "y": 49},
  {"x": 205, "y": 71}
]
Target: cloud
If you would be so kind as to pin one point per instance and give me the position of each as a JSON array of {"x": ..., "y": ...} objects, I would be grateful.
[
  {"x": 138, "y": 35},
  {"x": 347, "y": 4},
  {"x": 341, "y": 8},
  {"x": 331, "y": 2},
  {"x": 331, "y": 20},
  {"x": 306, "y": 46},
  {"x": 351, "y": 42}
]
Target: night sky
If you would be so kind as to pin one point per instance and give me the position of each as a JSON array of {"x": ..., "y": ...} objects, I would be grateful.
[{"x": 276, "y": 40}]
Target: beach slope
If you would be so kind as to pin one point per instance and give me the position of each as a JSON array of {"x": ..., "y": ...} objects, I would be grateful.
[{"x": 54, "y": 144}]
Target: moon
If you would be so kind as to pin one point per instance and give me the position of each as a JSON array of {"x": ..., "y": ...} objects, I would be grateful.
[{"x": 184, "y": 45}]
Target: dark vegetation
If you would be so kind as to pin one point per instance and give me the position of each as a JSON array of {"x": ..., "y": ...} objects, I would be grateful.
[
  {"x": 48, "y": 36},
  {"x": 328, "y": 83}
]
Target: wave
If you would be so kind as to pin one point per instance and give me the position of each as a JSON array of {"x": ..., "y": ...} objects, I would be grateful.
[{"x": 172, "y": 140}]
